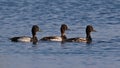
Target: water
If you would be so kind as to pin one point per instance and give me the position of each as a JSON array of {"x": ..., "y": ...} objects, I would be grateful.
[{"x": 17, "y": 18}]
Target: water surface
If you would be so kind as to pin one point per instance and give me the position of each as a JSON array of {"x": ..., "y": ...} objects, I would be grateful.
[{"x": 17, "y": 18}]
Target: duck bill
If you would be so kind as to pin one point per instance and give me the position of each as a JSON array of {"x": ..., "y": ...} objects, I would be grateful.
[
  {"x": 94, "y": 31},
  {"x": 68, "y": 29},
  {"x": 39, "y": 30}
]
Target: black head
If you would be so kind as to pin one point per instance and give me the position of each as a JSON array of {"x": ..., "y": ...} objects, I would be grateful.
[
  {"x": 63, "y": 28},
  {"x": 89, "y": 29},
  {"x": 35, "y": 29}
]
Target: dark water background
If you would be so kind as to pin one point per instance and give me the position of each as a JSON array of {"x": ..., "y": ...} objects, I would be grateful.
[{"x": 18, "y": 16}]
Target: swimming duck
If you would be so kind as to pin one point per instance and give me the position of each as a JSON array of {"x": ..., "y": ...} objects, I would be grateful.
[
  {"x": 63, "y": 28},
  {"x": 33, "y": 39},
  {"x": 88, "y": 38}
]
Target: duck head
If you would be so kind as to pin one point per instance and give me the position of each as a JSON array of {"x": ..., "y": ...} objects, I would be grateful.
[
  {"x": 35, "y": 29},
  {"x": 63, "y": 28},
  {"x": 89, "y": 29}
]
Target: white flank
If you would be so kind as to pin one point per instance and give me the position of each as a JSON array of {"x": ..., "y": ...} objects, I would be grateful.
[
  {"x": 24, "y": 39},
  {"x": 56, "y": 39},
  {"x": 82, "y": 40}
]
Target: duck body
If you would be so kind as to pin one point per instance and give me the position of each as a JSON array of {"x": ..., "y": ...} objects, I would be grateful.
[
  {"x": 21, "y": 39},
  {"x": 52, "y": 38},
  {"x": 77, "y": 39},
  {"x": 33, "y": 39},
  {"x": 88, "y": 38},
  {"x": 63, "y": 28}
]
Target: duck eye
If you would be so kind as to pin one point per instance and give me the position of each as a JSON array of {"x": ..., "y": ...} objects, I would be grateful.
[{"x": 37, "y": 29}]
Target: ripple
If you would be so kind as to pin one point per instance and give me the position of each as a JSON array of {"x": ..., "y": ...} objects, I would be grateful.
[{"x": 17, "y": 17}]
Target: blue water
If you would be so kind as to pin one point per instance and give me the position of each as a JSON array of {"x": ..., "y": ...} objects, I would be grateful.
[{"x": 18, "y": 16}]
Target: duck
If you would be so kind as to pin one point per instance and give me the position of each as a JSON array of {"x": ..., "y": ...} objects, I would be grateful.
[
  {"x": 88, "y": 38},
  {"x": 33, "y": 39},
  {"x": 63, "y": 28}
]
